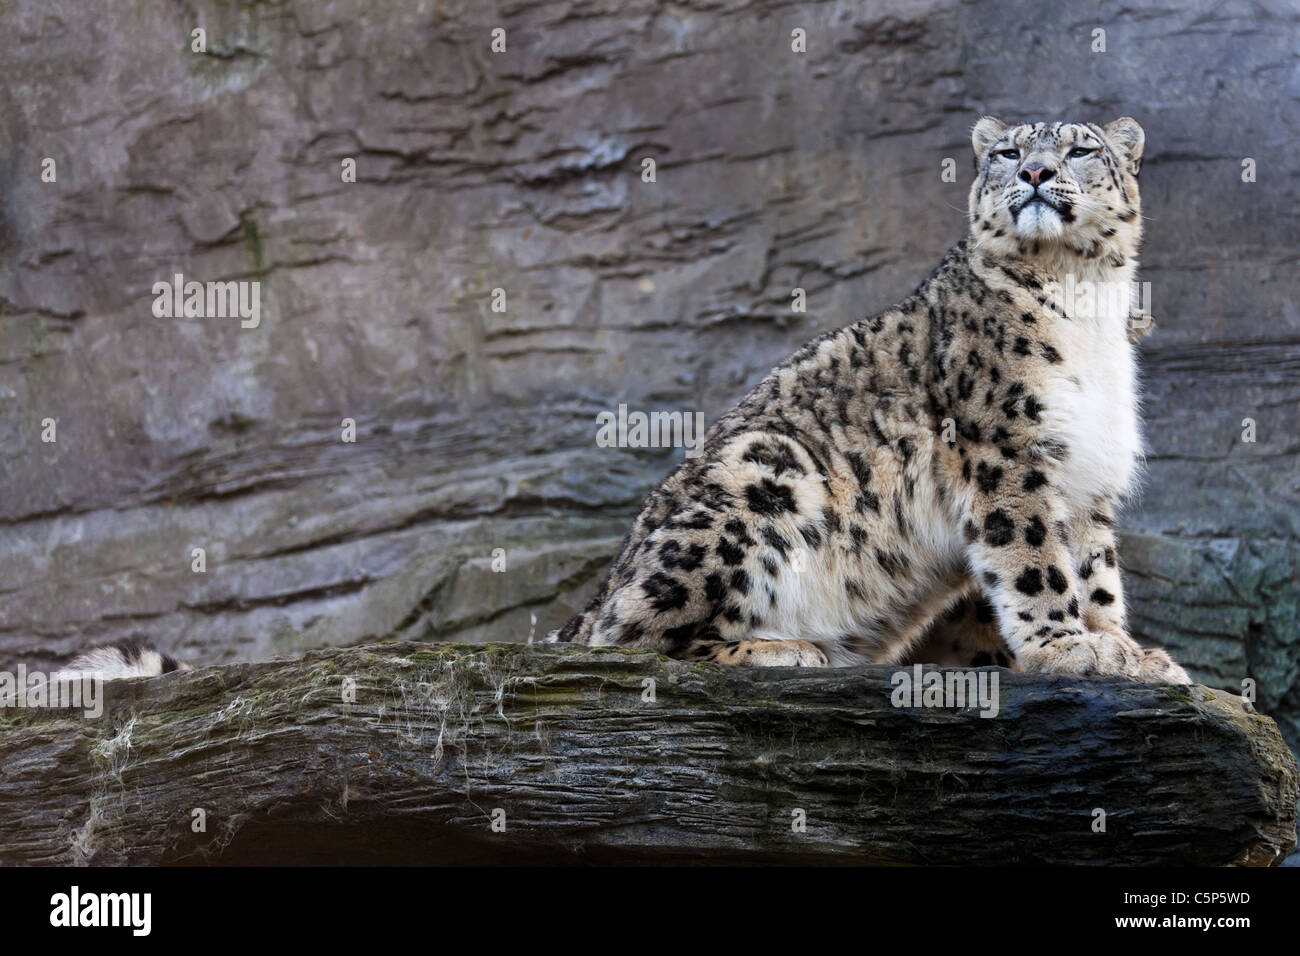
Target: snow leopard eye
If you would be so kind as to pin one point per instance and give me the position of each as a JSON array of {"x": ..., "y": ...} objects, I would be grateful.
[
  {"x": 1008, "y": 154},
  {"x": 1079, "y": 152}
]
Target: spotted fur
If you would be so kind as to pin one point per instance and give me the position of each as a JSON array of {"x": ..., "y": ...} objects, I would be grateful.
[
  {"x": 965, "y": 635},
  {"x": 963, "y": 452}
]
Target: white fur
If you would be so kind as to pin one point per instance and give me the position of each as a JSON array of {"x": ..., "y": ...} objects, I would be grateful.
[
  {"x": 1093, "y": 408},
  {"x": 108, "y": 663},
  {"x": 1039, "y": 221}
]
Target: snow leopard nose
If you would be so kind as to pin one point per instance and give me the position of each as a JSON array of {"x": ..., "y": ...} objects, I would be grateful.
[{"x": 1036, "y": 174}]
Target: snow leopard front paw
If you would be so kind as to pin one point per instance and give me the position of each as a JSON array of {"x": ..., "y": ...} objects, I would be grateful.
[
  {"x": 1105, "y": 654},
  {"x": 1159, "y": 668}
]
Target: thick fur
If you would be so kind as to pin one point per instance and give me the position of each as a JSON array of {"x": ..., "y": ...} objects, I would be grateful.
[
  {"x": 128, "y": 659},
  {"x": 966, "y": 635},
  {"x": 969, "y": 445}
]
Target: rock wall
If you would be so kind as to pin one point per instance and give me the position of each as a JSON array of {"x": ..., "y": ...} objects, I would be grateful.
[{"x": 521, "y": 170}]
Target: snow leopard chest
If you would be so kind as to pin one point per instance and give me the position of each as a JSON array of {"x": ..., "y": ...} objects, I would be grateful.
[{"x": 1094, "y": 411}]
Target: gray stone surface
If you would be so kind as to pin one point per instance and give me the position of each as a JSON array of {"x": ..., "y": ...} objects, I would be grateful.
[{"x": 521, "y": 170}]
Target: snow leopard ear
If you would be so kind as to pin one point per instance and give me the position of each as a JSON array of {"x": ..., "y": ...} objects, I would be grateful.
[
  {"x": 1128, "y": 139},
  {"x": 985, "y": 133}
]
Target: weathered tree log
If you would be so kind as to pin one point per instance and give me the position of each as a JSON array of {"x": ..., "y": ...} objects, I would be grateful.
[{"x": 410, "y": 752}]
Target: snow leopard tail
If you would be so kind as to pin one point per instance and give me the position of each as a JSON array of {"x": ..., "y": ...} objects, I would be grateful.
[{"x": 131, "y": 658}]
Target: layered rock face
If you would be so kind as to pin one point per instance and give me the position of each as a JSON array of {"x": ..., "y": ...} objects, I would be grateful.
[{"x": 475, "y": 500}]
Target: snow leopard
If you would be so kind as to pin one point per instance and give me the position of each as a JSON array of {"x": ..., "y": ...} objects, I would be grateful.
[{"x": 962, "y": 454}]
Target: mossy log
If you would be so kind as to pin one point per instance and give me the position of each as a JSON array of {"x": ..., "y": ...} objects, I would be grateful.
[{"x": 442, "y": 753}]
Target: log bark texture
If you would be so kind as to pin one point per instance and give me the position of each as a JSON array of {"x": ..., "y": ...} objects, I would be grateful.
[{"x": 565, "y": 745}]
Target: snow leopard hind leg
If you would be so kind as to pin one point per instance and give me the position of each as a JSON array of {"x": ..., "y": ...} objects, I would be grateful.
[{"x": 760, "y": 554}]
